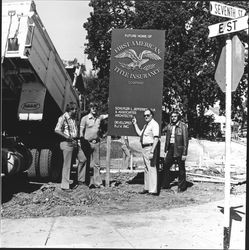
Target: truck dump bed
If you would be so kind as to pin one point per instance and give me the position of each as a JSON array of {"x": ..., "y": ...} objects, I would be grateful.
[
  {"x": 35, "y": 91},
  {"x": 28, "y": 55}
]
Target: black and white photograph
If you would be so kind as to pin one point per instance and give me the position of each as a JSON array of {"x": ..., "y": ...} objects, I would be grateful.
[{"x": 124, "y": 124}]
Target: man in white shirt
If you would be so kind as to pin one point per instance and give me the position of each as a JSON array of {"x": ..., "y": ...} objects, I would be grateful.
[{"x": 149, "y": 138}]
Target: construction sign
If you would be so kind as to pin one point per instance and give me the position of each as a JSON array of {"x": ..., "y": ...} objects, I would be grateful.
[{"x": 136, "y": 78}]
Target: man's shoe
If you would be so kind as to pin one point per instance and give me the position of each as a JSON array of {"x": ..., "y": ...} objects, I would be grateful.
[
  {"x": 81, "y": 183},
  {"x": 179, "y": 190},
  {"x": 66, "y": 190},
  {"x": 168, "y": 190},
  {"x": 144, "y": 192},
  {"x": 154, "y": 194},
  {"x": 74, "y": 186}
]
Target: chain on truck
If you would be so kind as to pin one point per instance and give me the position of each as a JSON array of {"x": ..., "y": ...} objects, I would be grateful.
[{"x": 35, "y": 90}]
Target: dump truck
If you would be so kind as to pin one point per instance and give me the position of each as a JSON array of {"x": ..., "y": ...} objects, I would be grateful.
[{"x": 35, "y": 91}]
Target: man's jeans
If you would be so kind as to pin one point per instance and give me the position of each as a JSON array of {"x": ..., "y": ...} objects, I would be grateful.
[
  {"x": 91, "y": 151},
  {"x": 169, "y": 161}
]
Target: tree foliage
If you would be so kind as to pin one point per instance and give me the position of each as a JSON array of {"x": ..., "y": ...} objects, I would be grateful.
[{"x": 190, "y": 56}]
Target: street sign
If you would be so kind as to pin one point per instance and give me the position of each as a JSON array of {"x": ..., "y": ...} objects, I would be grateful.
[
  {"x": 238, "y": 58},
  {"x": 228, "y": 73},
  {"x": 223, "y": 10},
  {"x": 227, "y": 27}
]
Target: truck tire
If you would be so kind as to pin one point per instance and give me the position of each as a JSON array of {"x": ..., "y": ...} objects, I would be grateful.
[
  {"x": 33, "y": 171},
  {"x": 45, "y": 163},
  {"x": 56, "y": 165},
  {"x": 27, "y": 156}
]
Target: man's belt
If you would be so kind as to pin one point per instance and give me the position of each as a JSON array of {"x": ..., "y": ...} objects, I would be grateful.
[
  {"x": 94, "y": 141},
  {"x": 147, "y": 145}
]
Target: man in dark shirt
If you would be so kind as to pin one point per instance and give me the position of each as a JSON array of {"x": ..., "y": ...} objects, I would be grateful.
[{"x": 176, "y": 148}]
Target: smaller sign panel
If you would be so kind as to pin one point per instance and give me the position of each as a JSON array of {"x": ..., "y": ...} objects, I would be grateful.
[
  {"x": 223, "y": 10},
  {"x": 228, "y": 27},
  {"x": 238, "y": 58}
]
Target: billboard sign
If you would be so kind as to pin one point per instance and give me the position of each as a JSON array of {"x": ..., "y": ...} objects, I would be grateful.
[{"x": 136, "y": 78}]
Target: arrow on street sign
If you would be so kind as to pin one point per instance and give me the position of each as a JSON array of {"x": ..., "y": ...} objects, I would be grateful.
[
  {"x": 223, "y": 10},
  {"x": 230, "y": 26},
  {"x": 238, "y": 58}
]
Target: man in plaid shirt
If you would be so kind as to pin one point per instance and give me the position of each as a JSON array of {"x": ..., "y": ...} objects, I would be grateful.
[{"x": 67, "y": 128}]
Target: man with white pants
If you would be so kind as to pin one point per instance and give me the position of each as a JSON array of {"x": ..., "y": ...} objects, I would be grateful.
[{"x": 149, "y": 138}]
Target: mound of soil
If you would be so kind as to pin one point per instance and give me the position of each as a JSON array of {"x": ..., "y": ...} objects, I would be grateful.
[{"x": 22, "y": 199}]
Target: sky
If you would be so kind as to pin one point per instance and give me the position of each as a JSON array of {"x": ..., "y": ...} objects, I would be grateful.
[{"x": 63, "y": 20}]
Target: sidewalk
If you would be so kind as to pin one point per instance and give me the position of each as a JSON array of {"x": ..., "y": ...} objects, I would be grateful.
[{"x": 192, "y": 227}]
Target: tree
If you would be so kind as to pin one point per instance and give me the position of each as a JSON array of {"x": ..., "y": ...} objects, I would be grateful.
[
  {"x": 107, "y": 15},
  {"x": 190, "y": 56},
  {"x": 97, "y": 91}
]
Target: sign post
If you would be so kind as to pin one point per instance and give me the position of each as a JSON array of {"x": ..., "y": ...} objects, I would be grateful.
[
  {"x": 233, "y": 74},
  {"x": 108, "y": 161},
  {"x": 226, "y": 234}
]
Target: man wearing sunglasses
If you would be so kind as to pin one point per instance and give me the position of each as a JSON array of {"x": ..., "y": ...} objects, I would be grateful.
[
  {"x": 149, "y": 137},
  {"x": 67, "y": 128},
  {"x": 176, "y": 148}
]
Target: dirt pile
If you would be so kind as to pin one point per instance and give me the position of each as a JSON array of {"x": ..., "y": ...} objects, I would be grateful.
[
  {"x": 29, "y": 199},
  {"x": 205, "y": 175}
]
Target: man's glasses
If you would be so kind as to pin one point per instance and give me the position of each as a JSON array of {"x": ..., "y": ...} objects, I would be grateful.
[
  {"x": 73, "y": 109},
  {"x": 147, "y": 115}
]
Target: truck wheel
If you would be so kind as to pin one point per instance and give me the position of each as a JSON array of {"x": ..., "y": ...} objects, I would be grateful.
[
  {"x": 45, "y": 162},
  {"x": 56, "y": 165},
  {"x": 33, "y": 171}
]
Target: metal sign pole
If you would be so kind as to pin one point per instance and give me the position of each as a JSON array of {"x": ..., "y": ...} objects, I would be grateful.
[{"x": 228, "y": 141}]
